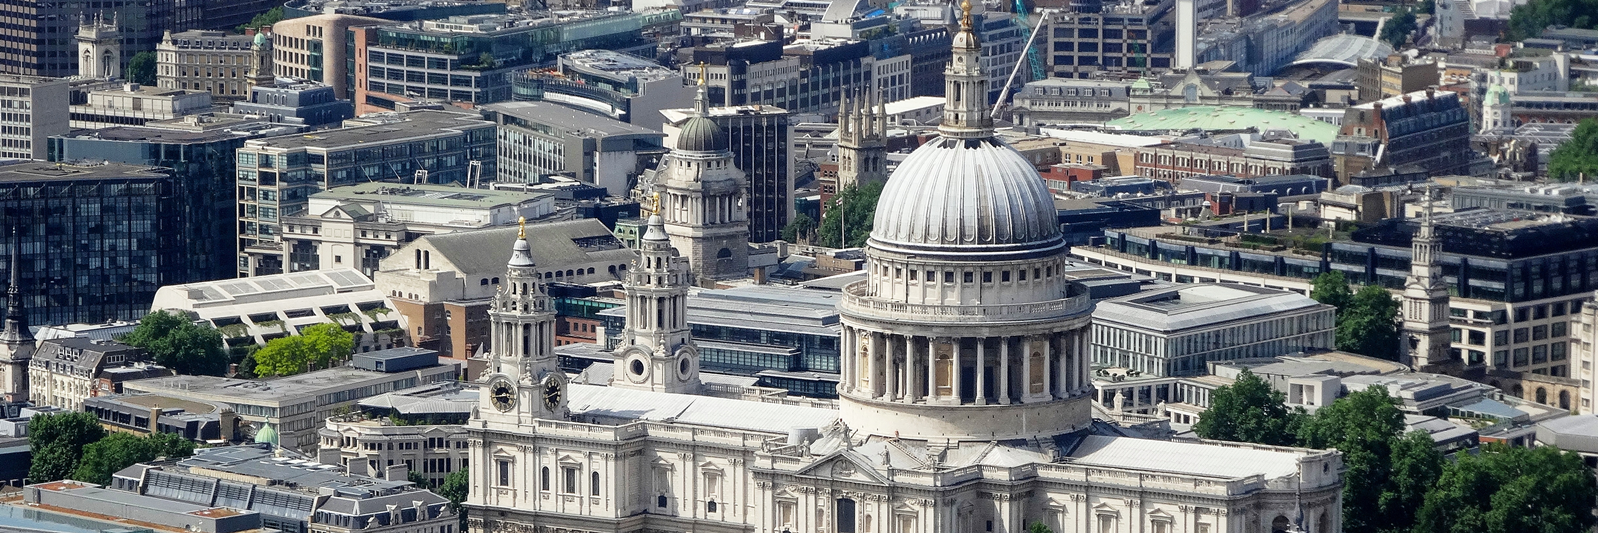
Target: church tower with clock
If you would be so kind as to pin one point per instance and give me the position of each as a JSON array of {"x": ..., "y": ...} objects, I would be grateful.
[{"x": 523, "y": 380}]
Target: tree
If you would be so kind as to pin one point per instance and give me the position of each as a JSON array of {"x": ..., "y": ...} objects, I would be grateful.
[
  {"x": 1249, "y": 410},
  {"x": 141, "y": 69},
  {"x": 56, "y": 440},
  {"x": 317, "y": 346},
  {"x": 179, "y": 344},
  {"x": 1398, "y": 27},
  {"x": 1362, "y": 425},
  {"x": 1038, "y": 527},
  {"x": 1331, "y": 288},
  {"x": 419, "y": 479},
  {"x": 1414, "y": 468},
  {"x": 1578, "y": 157},
  {"x": 455, "y": 487},
  {"x": 117, "y": 451},
  {"x": 1370, "y": 326},
  {"x": 1529, "y": 20},
  {"x": 270, "y": 17},
  {"x": 1427, "y": 7},
  {"x": 859, "y": 203},
  {"x": 801, "y": 229},
  {"x": 1505, "y": 490}
]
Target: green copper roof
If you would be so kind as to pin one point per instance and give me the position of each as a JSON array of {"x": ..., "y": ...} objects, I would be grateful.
[{"x": 1214, "y": 118}]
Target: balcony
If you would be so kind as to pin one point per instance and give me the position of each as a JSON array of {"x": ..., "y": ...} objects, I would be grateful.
[{"x": 857, "y": 300}]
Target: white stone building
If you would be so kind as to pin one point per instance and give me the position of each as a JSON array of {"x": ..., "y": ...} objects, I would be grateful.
[
  {"x": 1177, "y": 331},
  {"x": 702, "y": 199},
  {"x": 964, "y": 401},
  {"x": 427, "y": 439}
]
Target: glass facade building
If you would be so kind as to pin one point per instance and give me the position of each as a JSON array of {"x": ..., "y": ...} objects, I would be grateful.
[{"x": 94, "y": 242}]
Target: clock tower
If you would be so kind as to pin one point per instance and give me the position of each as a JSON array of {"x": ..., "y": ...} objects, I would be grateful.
[
  {"x": 657, "y": 351},
  {"x": 523, "y": 380}
]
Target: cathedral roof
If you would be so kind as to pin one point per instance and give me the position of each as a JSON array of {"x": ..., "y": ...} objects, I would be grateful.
[
  {"x": 614, "y": 405},
  {"x": 965, "y": 193},
  {"x": 700, "y": 134}
]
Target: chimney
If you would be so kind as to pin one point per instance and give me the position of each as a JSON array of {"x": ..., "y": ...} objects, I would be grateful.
[
  {"x": 1431, "y": 92},
  {"x": 1186, "y": 34},
  {"x": 155, "y": 418},
  {"x": 249, "y": 32}
]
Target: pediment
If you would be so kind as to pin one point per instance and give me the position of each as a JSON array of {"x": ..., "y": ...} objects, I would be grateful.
[
  {"x": 709, "y": 466},
  {"x": 844, "y": 465}
]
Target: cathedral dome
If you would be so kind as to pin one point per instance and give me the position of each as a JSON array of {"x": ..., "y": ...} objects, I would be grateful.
[
  {"x": 973, "y": 195},
  {"x": 700, "y": 134}
]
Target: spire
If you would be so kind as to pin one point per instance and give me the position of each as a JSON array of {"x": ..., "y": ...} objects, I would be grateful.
[
  {"x": 701, "y": 100},
  {"x": 1426, "y": 222},
  {"x": 656, "y": 227},
  {"x": 965, "y": 113},
  {"x": 16, "y": 324},
  {"x": 521, "y": 254},
  {"x": 882, "y": 115},
  {"x": 843, "y": 118}
]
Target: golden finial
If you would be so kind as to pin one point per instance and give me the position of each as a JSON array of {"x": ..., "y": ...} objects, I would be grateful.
[
  {"x": 965, "y": 14},
  {"x": 521, "y": 221},
  {"x": 654, "y": 208},
  {"x": 702, "y": 74}
]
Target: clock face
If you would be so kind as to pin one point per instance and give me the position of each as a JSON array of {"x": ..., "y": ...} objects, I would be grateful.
[
  {"x": 553, "y": 389},
  {"x": 502, "y": 394}
]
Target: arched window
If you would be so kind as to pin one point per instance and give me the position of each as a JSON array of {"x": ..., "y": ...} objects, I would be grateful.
[
  {"x": 543, "y": 478},
  {"x": 593, "y": 484},
  {"x": 484, "y": 282},
  {"x": 1564, "y": 399},
  {"x": 660, "y": 501},
  {"x": 1542, "y": 395},
  {"x": 495, "y": 280},
  {"x": 710, "y": 506}
]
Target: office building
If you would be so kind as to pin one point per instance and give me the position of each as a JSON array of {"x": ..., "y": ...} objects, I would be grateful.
[
  {"x": 807, "y": 76},
  {"x": 420, "y": 427},
  {"x": 358, "y": 225},
  {"x": 218, "y": 62},
  {"x": 624, "y": 87},
  {"x": 1267, "y": 41},
  {"x": 1095, "y": 36},
  {"x": 77, "y": 497},
  {"x": 133, "y": 214},
  {"x": 256, "y": 310},
  {"x": 392, "y": 10},
  {"x": 442, "y": 283},
  {"x": 65, "y": 372},
  {"x": 109, "y": 105},
  {"x": 144, "y": 414},
  {"x": 1394, "y": 75},
  {"x": 1248, "y": 155},
  {"x": 1426, "y": 129},
  {"x": 761, "y": 140},
  {"x": 290, "y": 495},
  {"x": 1178, "y": 331},
  {"x": 34, "y": 109},
  {"x": 444, "y": 59},
  {"x": 1069, "y": 101},
  {"x": 288, "y": 411},
  {"x": 40, "y": 40},
  {"x": 540, "y": 138},
  {"x": 198, "y": 152},
  {"x": 313, "y": 47},
  {"x": 1514, "y": 276},
  {"x": 277, "y": 176},
  {"x": 309, "y": 104}
]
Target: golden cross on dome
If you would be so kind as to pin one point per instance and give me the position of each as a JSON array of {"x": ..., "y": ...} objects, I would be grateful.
[{"x": 521, "y": 221}]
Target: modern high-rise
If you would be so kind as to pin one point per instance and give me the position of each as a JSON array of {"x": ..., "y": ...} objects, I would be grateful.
[
  {"x": 94, "y": 241},
  {"x": 1092, "y": 36},
  {"x": 277, "y": 175},
  {"x": 762, "y": 146},
  {"x": 536, "y": 139},
  {"x": 314, "y": 49}
]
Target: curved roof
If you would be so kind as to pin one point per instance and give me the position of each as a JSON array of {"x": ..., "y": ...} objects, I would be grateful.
[
  {"x": 965, "y": 194},
  {"x": 1344, "y": 49},
  {"x": 1222, "y": 118},
  {"x": 700, "y": 134}
]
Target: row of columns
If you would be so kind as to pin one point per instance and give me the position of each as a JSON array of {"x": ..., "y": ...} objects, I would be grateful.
[
  {"x": 691, "y": 210},
  {"x": 925, "y": 369}
]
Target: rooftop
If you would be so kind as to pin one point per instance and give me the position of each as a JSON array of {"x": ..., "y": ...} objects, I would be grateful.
[
  {"x": 422, "y": 194},
  {"x": 607, "y": 405},
  {"x": 262, "y": 463},
  {"x": 280, "y": 391},
  {"x": 568, "y": 119},
  {"x": 404, "y": 126},
  {"x": 1196, "y": 305},
  {"x": 485, "y": 251},
  {"x": 1223, "y": 118},
  {"x": 272, "y": 287},
  {"x": 1344, "y": 49},
  {"x": 23, "y": 171},
  {"x": 1185, "y": 458},
  {"x": 437, "y": 398},
  {"x": 619, "y": 64}
]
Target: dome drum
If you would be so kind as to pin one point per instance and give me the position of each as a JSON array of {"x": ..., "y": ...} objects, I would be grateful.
[
  {"x": 858, "y": 302},
  {"x": 968, "y": 422}
]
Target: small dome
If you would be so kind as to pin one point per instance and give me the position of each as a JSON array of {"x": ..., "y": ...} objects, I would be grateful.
[
  {"x": 266, "y": 435},
  {"x": 700, "y": 134},
  {"x": 966, "y": 195},
  {"x": 1496, "y": 95},
  {"x": 260, "y": 39}
]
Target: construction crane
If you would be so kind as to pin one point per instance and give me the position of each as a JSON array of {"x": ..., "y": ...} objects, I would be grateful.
[{"x": 1033, "y": 58}]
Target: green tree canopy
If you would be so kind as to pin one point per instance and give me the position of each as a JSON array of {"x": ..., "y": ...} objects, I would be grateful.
[
  {"x": 1370, "y": 324},
  {"x": 1577, "y": 157},
  {"x": 117, "y": 451},
  {"x": 1398, "y": 27},
  {"x": 1249, "y": 410},
  {"x": 1331, "y": 288},
  {"x": 419, "y": 479},
  {"x": 270, "y": 17},
  {"x": 179, "y": 344},
  {"x": 859, "y": 203},
  {"x": 141, "y": 69},
  {"x": 1364, "y": 426},
  {"x": 1529, "y": 20},
  {"x": 56, "y": 442},
  {"x": 800, "y": 230},
  {"x": 455, "y": 488},
  {"x": 316, "y": 346},
  {"x": 1511, "y": 490},
  {"x": 1413, "y": 469}
]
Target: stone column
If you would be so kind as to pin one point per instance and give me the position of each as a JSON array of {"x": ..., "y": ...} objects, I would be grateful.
[
  {"x": 1026, "y": 371},
  {"x": 1004, "y": 370},
  {"x": 1064, "y": 373},
  {"x": 954, "y": 370},
  {"x": 1083, "y": 362},
  {"x": 890, "y": 381},
  {"x": 846, "y": 360},
  {"x": 1048, "y": 355},
  {"x": 982, "y": 361},
  {"x": 873, "y": 358},
  {"x": 932, "y": 369}
]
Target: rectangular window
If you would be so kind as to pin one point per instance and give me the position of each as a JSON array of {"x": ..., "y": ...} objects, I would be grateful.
[
  {"x": 1501, "y": 358},
  {"x": 570, "y": 478},
  {"x": 1558, "y": 329},
  {"x": 504, "y": 473},
  {"x": 1539, "y": 332},
  {"x": 1522, "y": 357},
  {"x": 1539, "y": 354},
  {"x": 1556, "y": 351},
  {"x": 1522, "y": 334},
  {"x": 1501, "y": 337}
]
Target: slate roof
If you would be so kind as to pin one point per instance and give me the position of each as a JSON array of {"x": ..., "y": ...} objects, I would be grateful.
[{"x": 554, "y": 243}]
